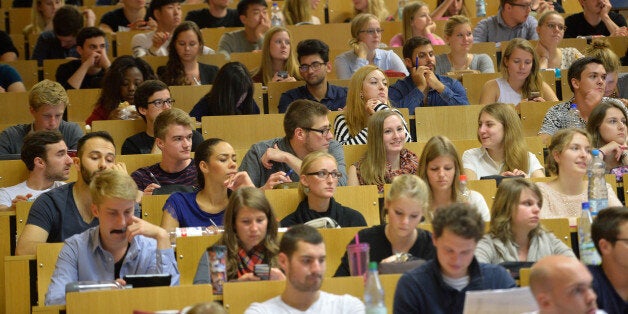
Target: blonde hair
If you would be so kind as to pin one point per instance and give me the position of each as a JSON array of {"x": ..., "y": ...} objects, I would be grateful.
[
  {"x": 505, "y": 207},
  {"x": 291, "y": 65},
  {"x": 600, "y": 48},
  {"x": 454, "y": 21},
  {"x": 357, "y": 23},
  {"x": 408, "y": 186},
  {"x": 372, "y": 168},
  {"x": 354, "y": 111},
  {"x": 513, "y": 142},
  {"x": 296, "y": 11},
  {"x": 376, "y": 8},
  {"x": 534, "y": 81},
  {"x": 463, "y": 11},
  {"x": 47, "y": 93},
  {"x": 112, "y": 184},
  {"x": 38, "y": 24},
  {"x": 166, "y": 118},
  {"x": 558, "y": 144},
  {"x": 409, "y": 10},
  {"x": 306, "y": 165}
]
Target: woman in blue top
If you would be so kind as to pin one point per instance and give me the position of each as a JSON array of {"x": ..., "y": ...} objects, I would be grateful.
[{"x": 218, "y": 174}]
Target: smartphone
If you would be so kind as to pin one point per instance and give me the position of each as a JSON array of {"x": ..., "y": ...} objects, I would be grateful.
[
  {"x": 534, "y": 95},
  {"x": 282, "y": 74},
  {"x": 262, "y": 271}
]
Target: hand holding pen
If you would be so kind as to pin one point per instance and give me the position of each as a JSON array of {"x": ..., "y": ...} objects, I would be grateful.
[
  {"x": 278, "y": 178},
  {"x": 153, "y": 186}
]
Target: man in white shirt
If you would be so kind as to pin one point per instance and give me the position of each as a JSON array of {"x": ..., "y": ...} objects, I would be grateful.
[
  {"x": 46, "y": 157},
  {"x": 562, "y": 284},
  {"x": 302, "y": 258}
]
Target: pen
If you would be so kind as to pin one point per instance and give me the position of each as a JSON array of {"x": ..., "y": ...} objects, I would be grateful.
[
  {"x": 416, "y": 62},
  {"x": 152, "y": 176},
  {"x": 289, "y": 173},
  {"x": 213, "y": 223}
]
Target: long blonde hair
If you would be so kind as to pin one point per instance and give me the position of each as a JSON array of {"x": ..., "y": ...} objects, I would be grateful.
[
  {"x": 515, "y": 149},
  {"x": 373, "y": 166},
  {"x": 409, "y": 10},
  {"x": 37, "y": 24},
  {"x": 296, "y": 11},
  {"x": 357, "y": 23},
  {"x": 375, "y": 7},
  {"x": 291, "y": 65},
  {"x": 354, "y": 111},
  {"x": 534, "y": 81}
]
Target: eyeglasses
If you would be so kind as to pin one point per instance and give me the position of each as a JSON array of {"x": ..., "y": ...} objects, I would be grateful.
[
  {"x": 324, "y": 174},
  {"x": 315, "y": 66},
  {"x": 559, "y": 27},
  {"x": 524, "y": 6},
  {"x": 373, "y": 31},
  {"x": 159, "y": 103},
  {"x": 324, "y": 132}
]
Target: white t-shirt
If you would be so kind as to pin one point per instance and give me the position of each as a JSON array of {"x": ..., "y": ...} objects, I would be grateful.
[
  {"x": 478, "y": 160},
  {"x": 476, "y": 199},
  {"x": 142, "y": 42},
  {"x": 327, "y": 303},
  {"x": 9, "y": 193}
]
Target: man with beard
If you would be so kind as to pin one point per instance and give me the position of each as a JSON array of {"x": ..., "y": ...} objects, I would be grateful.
[
  {"x": 121, "y": 245},
  {"x": 46, "y": 157},
  {"x": 278, "y": 160},
  {"x": 302, "y": 258},
  {"x": 423, "y": 87},
  {"x": 65, "y": 211},
  {"x": 587, "y": 81},
  {"x": 47, "y": 101},
  {"x": 314, "y": 65}
]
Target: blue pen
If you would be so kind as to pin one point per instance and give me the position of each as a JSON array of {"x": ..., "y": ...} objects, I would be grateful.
[
  {"x": 416, "y": 62},
  {"x": 289, "y": 173}
]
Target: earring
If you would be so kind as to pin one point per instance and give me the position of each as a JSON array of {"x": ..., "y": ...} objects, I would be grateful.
[
  {"x": 306, "y": 190},
  {"x": 361, "y": 96}
]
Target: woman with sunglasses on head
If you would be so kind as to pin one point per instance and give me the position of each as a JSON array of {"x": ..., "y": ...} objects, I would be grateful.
[
  {"x": 416, "y": 22},
  {"x": 250, "y": 237},
  {"x": 521, "y": 77},
  {"x": 516, "y": 234},
  {"x": 441, "y": 168},
  {"x": 366, "y": 39},
  {"x": 399, "y": 239},
  {"x": 183, "y": 67},
  {"x": 459, "y": 38},
  {"x": 217, "y": 176},
  {"x": 367, "y": 94},
  {"x": 551, "y": 29},
  {"x": 607, "y": 126},
  {"x": 317, "y": 184},
  {"x": 385, "y": 156},
  {"x": 279, "y": 63}
]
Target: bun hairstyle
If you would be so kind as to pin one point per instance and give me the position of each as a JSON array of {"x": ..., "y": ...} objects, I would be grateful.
[{"x": 600, "y": 48}]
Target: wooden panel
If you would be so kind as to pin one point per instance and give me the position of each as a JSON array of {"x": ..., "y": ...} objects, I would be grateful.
[
  {"x": 119, "y": 129},
  {"x": 337, "y": 35},
  {"x": 229, "y": 128},
  {"x": 391, "y": 29},
  {"x": 188, "y": 96},
  {"x": 455, "y": 122},
  {"x": 524, "y": 273},
  {"x": 15, "y": 108},
  {"x": 340, "y": 11},
  {"x": 217, "y": 59},
  {"x": 123, "y": 42},
  {"x": 125, "y": 301},
  {"x": 50, "y": 68},
  {"x": 474, "y": 83},
  {"x": 487, "y": 188},
  {"x": 134, "y": 162},
  {"x": 82, "y": 103},
  {"x": 189, "y": 251},
  {"x": 559, "y": 227},
  {"x": 13, "y": 172},
  {"x": 17, "y": 271},
  {"x": 152, "y": 208},
  {"x": 532, "y": 115},
  {"x": 28, "y": 71},
  {"x": 336, "y": 241},
  {"x": 47, "y": 254},
  {"x": 211, "y": 36},
  {"x": 22, "y": 209},
  {"x": 353, "y": 153},
  {"x": 275, "y": 89},
  {"x": 18, "y": 19},
  {"x": 252, "y": 60},
  {"x": 20, "y": 44}
]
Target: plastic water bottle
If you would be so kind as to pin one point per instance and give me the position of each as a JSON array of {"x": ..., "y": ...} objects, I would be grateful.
[
  {"x": 480, "y": 8},
  {"x": 401, "y": 4},
  {"x": 275, "y": 18},
  {"x": 373, "y": 292},
  {"x": 573, "y": 118},
  {"x": 465, "y": 193},
  {"x": 598, "y": 194},
  {"x": 588, "y": 254}
]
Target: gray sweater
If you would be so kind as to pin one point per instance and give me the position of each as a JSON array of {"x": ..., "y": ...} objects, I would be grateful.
[{"x": 494, "y": 251}]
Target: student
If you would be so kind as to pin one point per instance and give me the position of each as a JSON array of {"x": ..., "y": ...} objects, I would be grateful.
[
  {"x": 416, "y": 22},
  {"x": 254, "y": 17},
  {"x": 596, "y": 18},
  {"x": 277, "y": 56},
  {"x": 60, "y": 43},
  {"x": 47, "y": 101},
  {"x": 120, "y": 245},
  {"x": 10, "y": 80},
  {"x": 173, "y": 136},
  {"x": 302, "y": 258},
  {"x": 167, "y": 14},
  {"x": 314, "y": 67},
  {"x": 217, "y": 14},
  {"x": 46, "y": 158},
  {"x": 131, "y": 16},
  {"x": 513, "y": 20},
  {"x": 307, "y": 129},
  {"x": 65, "y": 211},
  {"x": 441, "y": 284},
  {"x": 89, "y": 70}
]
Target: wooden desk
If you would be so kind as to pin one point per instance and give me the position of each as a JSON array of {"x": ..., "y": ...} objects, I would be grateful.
[
  {"x": 145, "y": 299},
  {"x": 17, "y": 276},
  {"x": 7, "y": 246}
]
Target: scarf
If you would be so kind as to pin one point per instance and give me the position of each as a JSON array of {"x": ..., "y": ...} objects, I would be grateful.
[{"x": 247, "y": 261}]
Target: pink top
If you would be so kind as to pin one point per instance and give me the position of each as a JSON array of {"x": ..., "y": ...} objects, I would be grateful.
[{"x": 397, "y": 40}]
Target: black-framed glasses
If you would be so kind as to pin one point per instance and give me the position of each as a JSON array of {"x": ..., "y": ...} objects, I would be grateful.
[
  {"x": 372, "y": 31},
  {"x": 324, "y": 174},
  {"x": 559, "y": 27},
  {"x": 323, "y": 132},
  {"x": 315, "y": 66},
  {"x": 524, "y": 6},
  {"x": 159, "y": 103}
]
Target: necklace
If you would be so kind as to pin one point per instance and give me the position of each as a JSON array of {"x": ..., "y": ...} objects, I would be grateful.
[{"x": 465, "y": 66}]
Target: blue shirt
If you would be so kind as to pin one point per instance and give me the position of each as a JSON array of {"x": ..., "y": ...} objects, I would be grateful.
[
  {"x": 423, "y": 290},
  {"x": 184, "y": 208},
  {"x": 607, "y": 297},
  {"x": 334, "y": 99},
  {"x": 405, "y": 94},
  {"x": 8, "y": 76},
  {"x": 494, "y": 29},
  {"x": 83, "y": 258},
  {"x": 348, "y": 62}
]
